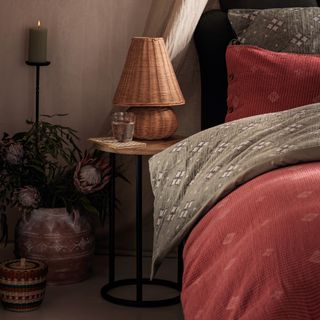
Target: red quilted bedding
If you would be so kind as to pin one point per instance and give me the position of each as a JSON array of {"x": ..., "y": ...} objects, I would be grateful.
[{"x": 256, "y": 254}]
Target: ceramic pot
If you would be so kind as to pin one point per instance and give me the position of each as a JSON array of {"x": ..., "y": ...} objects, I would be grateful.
[{"x": 65, "y": 242}]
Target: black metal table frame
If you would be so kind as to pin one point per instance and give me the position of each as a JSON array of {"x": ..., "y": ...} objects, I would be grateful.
[{"x": 139, "y": 281}]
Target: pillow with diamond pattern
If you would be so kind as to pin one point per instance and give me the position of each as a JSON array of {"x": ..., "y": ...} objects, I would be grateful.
[
  {"x": 283, "y": 30},
  {"x": 262, "y": 81}
]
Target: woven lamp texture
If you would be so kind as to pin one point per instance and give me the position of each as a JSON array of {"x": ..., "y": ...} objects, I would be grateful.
[
  {"x": 154, "y": 123},
  {"x": 148, "y": 78}
]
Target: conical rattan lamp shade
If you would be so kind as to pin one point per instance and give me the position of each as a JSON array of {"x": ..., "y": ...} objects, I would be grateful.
[{"x": 148, "y": 78}]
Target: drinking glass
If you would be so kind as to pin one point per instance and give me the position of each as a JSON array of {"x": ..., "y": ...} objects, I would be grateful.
[{"x": 123, "y": 126}]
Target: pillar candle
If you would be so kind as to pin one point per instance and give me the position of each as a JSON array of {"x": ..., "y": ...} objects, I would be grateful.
[{"x": 38, "y": 44}]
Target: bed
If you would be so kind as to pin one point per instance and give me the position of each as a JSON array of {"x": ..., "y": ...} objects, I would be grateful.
[{"x": 244, "y": 192}]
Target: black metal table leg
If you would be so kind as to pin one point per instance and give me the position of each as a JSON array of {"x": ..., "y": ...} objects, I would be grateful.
[
  {"x": 180, "y": 264},
  {"x": 139, "y": 228},
  {"x": 139, "y": 281},
  {"x": 112, "y": 218}
]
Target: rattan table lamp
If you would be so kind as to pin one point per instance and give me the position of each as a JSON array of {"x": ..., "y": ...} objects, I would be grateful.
[{"x": 148, "y": 85}]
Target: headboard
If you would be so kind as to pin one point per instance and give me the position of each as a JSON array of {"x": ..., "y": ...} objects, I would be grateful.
[{"x": 212, "y": 36}]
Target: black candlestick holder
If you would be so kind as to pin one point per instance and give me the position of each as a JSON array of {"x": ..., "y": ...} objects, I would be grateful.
[{"x": 37, "y": 65}]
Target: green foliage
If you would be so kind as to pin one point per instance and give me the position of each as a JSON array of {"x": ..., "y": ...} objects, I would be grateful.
[{"x": 47, "y": 159}]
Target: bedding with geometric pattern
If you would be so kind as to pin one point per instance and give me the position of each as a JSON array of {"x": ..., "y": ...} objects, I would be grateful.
[
  {"x": 256, "y": 254},
  {"x": 281, "y": 29},
  {"x": 262, "y": 81},
  {"x": 190, "y": 177},
  {"x": 245, "y": 194}
]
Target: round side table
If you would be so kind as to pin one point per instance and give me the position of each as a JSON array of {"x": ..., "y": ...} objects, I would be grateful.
[{"x": 151, "y": 148}]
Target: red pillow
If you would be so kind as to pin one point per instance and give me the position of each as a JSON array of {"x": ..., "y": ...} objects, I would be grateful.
[{"x": 263, "y": 81}]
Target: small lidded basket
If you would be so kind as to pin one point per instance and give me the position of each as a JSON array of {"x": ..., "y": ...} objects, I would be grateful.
[{"x": 22, "y": 284}]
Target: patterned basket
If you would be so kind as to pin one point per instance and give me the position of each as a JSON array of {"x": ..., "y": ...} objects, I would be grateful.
[{"x": 22, "y": 284}]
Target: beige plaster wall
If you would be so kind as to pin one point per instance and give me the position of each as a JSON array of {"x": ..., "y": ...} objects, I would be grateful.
[{"x": 87, "y": 45}]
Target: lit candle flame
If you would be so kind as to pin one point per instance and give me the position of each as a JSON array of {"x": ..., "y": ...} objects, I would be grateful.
[{"x": 39, "y": 23}]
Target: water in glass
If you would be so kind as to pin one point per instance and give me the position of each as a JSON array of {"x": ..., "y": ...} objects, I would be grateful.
[{"x": 123, "y": 126}]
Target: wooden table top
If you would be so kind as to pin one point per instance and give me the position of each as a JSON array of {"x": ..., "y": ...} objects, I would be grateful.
[{"x": 152, "y": 146}]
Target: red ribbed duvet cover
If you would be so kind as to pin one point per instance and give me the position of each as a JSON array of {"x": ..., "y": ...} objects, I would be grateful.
[{"x": 256, "y": 254}]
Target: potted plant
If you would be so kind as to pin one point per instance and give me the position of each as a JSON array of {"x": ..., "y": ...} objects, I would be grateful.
[{"x": 44, "y": 174}]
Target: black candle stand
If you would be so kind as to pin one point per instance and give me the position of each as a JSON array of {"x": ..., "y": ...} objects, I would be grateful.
[{"x": 37, "y": 65}]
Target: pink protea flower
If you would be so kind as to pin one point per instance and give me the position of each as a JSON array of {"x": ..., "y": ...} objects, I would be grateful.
[
  {"x": 14, "y": 153},
  {"x": 27, "y": 198},
  {"x": 91, "y": 174}
]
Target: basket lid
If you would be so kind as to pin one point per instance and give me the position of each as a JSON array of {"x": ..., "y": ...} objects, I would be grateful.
[{"x": 23, "y": 267}]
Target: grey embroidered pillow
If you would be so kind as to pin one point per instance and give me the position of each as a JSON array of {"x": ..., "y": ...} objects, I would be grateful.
[{"x": 283, "y": 30}]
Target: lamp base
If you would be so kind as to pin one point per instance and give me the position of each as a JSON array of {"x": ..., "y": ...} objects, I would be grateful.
[{"x": 154, "y": 123}]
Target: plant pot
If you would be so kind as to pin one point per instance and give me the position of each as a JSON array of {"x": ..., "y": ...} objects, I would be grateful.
[{"x": 65, "y": 242}]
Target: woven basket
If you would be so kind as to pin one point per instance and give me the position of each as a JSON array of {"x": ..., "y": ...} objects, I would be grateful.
[
  {"x": 154, "y": 123},
  {"x": 22, "y": 284}
]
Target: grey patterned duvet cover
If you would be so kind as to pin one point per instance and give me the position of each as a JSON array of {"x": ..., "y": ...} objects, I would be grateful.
[{"x": 190, "y": 177}]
